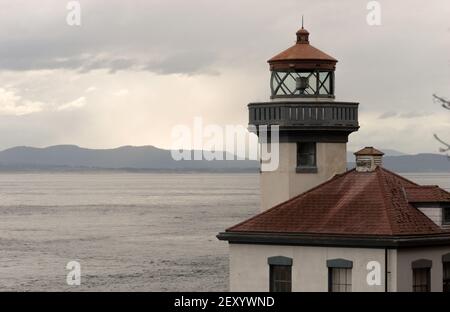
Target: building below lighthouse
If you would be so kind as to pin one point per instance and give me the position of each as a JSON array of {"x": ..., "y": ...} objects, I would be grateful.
[
  {"x": 334, "y": 237},
  {"x": 323, "y": 227}
]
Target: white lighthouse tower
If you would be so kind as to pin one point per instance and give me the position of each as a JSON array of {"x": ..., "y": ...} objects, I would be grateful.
[{"x": 314, "y": 128}]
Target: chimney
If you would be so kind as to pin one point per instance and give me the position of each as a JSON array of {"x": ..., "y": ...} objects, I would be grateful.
[{"x": 368, "y": 159}]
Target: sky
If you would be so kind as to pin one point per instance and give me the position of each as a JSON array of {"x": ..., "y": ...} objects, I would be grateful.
[{"x": 133, "y": 70}]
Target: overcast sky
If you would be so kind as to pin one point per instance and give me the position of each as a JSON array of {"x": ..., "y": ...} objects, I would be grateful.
[{"x": 134, "y": 69}]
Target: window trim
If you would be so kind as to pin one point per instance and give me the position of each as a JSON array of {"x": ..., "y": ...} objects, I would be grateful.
[
  {"x": 422, "y": 264},
  {"x": 279, "y": 260},
  {"x": 340, "y": 263}
]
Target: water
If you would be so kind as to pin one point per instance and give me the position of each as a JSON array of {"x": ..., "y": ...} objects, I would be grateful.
[
  {"x": 129, "y": 231},
  {"x": 440, "y": 179}
]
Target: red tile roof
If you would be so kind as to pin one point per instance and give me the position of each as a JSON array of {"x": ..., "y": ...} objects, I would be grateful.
[
  {"x": 369, "y": 151},
  {"x": 426, "y": 194},
  {"x": 302, "y": 56},
  {"x": 302, "y": 52},
  {"x": 353, "y": 203}
]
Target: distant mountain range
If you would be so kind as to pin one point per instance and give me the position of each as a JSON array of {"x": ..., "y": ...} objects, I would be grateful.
[
  {"x": 67, "y": 157},
  {"x": 71, "y": 157},
  {"x": 386, "y": 151}
]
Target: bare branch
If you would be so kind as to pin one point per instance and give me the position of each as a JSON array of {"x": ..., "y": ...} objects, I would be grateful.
[
  {"x": 444, "y": 102},
  {"x": 447, "y": 146}
]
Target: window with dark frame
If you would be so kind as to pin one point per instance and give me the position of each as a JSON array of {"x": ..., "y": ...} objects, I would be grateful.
[
  {"x": 306, "y": 155},
  {"x": 340, "y": 279},
  {"x": 446, "y": 215},
  {"x": 421, "y": 279},
  {"x": 446, "y": 273},
  {"x": 280, "y": 278}
]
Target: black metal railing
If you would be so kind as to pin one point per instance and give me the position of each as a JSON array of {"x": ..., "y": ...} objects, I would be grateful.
[{"x": 308, "y": 114}]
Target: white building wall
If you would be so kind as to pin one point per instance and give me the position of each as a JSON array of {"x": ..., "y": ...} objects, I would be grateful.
[
  {"x": 404, "y": 270},
  {"x": 392, "y": 270},
  {"x": 249, "y": 270}
]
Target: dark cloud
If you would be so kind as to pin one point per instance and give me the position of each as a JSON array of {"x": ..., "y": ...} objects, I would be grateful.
[
  {"x": 165, "y": 37},
  {"x": 392, "y": 69}
]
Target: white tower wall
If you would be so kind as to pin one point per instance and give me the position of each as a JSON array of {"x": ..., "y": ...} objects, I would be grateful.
[{"x": 285, "y": 183}]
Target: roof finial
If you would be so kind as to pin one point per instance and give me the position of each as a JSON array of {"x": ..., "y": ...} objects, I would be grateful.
[{"x": 303, "y": 34}]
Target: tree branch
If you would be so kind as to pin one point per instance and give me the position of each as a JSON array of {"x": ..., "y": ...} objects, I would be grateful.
[
  {"x": 444, "y": 102},
  {"x": 447, "y": 146}
]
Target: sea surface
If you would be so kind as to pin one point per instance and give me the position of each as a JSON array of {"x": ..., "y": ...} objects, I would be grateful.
[{"x": 129, "y": 231}]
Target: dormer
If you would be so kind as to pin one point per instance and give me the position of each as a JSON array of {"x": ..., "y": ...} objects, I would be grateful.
[{"x": 432, "y": 201}]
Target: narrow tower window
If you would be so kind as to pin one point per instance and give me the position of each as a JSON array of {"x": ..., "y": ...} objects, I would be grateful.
[{"x": 306, "y": 157}]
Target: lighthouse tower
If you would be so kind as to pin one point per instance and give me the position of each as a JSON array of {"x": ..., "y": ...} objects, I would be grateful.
[{"x": 313, "y": 126}]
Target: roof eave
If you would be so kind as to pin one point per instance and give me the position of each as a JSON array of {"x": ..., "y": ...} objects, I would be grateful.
[{"x": 374, "y": 241}]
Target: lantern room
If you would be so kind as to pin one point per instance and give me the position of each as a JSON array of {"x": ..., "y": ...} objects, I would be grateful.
[{"x": 302, "y": 71}]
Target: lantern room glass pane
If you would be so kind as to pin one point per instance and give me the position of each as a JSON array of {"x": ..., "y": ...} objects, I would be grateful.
[
  {"x": 325, "y": 83},
  {"x": 290, "y": 83},
  {"x": 304, "y": 83}
]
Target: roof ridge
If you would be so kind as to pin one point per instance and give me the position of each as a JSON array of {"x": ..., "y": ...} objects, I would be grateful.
[
  {"x": 407, "y": 204},
  {"x": 424, "y": 186},
  {"x": 336, "y": 176},
  {"x": 399, "y": 176},
  {"x": 386, "y": 204}
]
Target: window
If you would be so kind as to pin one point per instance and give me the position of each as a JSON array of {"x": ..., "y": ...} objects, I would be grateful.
[
  {"x": 280, "y": 274},
  {"x": 306, "y": 155},
  {"x": 446, "y": 287},
  {"x": 340, "y": 280},
  {"x": 421, "y": 280},
  {"x": 446, "y": 215},
  {"x": 446, "y": 272},
  {"x": 422, "y": 275},
  {"x": 280, "y": 278},
  {"x": 339, "y": 275}
]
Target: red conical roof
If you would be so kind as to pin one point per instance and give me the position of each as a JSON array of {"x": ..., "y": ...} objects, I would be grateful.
[{"x": 302, "y": 56}]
